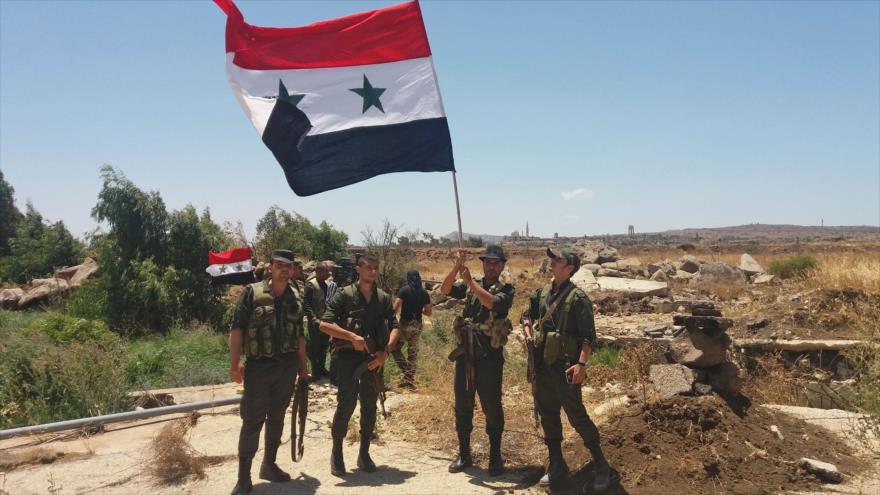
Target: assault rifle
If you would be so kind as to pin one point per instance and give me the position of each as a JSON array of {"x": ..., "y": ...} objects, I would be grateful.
[
  {"x": 300, "y": 408},
  {"x": 465, "y": 333},
  {"x": 530, "y": 369},
  {"x": 376, "y": 377}
]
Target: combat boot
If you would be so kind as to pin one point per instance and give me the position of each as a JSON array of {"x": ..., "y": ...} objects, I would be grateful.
[
  {"x": 364, "y": 462},
  {"x": 496, "y": 463},
  {"x": 271, "y": 472},
  {"x": 464, "y": 454},
  {"x": 337, "y": 464},
  {"x": 557, "y": 469},
  {"x": 602, "y": 478},
  {"x": 243, "y": 486}
]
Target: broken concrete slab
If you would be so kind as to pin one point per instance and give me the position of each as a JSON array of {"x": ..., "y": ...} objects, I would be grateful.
[
  {"x": 749, "y": 265},
  {"x": 725, "y": 378},
  {"x": 699, "y": 349},
  {"x": 825, "y": 471},
  {"x": 633, "y": 288},
  {"x": 671, "y": 379},
  {"x": 584, "y": 280},
  {"x": 689, "y": 263},
  {"x": 796, "y": 345},
  {"x": 9, "y": 297},
  {"x": 764, "y": 278}
]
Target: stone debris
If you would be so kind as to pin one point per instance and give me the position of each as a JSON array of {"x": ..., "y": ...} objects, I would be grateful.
[
  {"x": 749, "y": 265},
  {"x": 775, "y": 430},
  {"x": 671, "y": 379},
  {"x": 825, "y": 471},
  {"x": 689, "y": 264},
  {"x": 9, "y": 297},
  {"x": 764, "y": 278}
]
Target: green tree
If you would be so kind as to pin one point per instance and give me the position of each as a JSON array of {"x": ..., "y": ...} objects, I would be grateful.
[
  {"x": 280, "y": 229},
  {"x": 153, "y": 262},
  {"x": 9, "y": 215},
  {"x": 38, "y": 248},
  {"x": 473, "y": 241}
]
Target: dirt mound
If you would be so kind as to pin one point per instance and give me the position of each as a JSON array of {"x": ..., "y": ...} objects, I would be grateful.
[{"x": 703, "y": 445}]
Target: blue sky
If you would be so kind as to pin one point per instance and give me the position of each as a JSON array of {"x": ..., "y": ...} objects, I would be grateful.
[{"x": 661, "y": 115}]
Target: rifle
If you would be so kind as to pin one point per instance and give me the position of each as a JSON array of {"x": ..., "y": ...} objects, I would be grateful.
[
  {"x": 530, "y": 370},
  {"x": 376, "y": 377},
  {"x": 466, "y": 348},
  {"x": 300, "y": 408}
]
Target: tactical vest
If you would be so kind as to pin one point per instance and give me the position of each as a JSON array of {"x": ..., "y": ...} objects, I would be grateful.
[
  {"x": 266, "y": 336},
  {"x": 356, "y": 323},
  {"x": 497, "y": 329},
  {"x": 551, "y": 331}
]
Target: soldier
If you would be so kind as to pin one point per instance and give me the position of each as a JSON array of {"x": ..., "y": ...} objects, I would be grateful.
[
  {"x": 267, "y": 329},
  {"x": 559, "y": 322},
  {"x": 361, "y": 321},
  {"x": 481, "y": 331},
  {"x": 315, "y": 303},
  {"x": 296, "y": 276},
  {"x": 412, "y": 301}
]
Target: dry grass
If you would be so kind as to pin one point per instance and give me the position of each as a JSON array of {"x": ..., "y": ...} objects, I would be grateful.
[
  {"x": 848, "y": 270},
  {"x": 11, "y": 461},
  {"x": 173, "y": 457}
]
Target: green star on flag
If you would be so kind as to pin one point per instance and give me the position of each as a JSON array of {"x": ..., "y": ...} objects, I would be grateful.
[
  {"x": 370, "y": 95},
  {"x": 283, "y": 95}
]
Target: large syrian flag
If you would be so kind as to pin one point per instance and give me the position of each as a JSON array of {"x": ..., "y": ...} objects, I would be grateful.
[
  {"x": 343, "y": 100},
  {"x": 231, "y": 267}
]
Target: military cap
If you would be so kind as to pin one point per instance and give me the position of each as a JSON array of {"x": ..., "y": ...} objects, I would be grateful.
[
  {"x": 494, "y": 251},
  {"x": 283, "y": 255},
  {"x": 570, "y": 256}
]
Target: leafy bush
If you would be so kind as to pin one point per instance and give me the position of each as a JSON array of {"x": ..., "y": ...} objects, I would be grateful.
[
  {"x": 63, "y": 329},
  {"x": 89, "y": 300},
  {"x": 606, "y": 355},
  {"x": 798, "y": 266},
  {"x": 185, "y": 357},
  {"x": 56, "y": 367}
]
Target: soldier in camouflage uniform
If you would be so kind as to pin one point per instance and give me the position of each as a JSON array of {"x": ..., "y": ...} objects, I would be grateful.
[
  {"x": 316, "y": 302},
  {"x": 560, "y": 324},
  {"x": 267, "y": 330},
  {"x": 484, "y": 317},
  {"x": 361, "y": 321}
]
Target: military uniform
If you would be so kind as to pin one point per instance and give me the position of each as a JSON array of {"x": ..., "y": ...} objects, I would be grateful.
[
  {"x": 373, "y": 321},
  {"x": 315, "y": 305},
  {"x": 271, "y": 327},
  {"x": 490, "y": 331},
  {"x": 562, "y": 323}
]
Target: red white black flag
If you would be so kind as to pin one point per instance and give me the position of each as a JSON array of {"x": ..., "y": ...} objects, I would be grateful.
[{"x": 231, "y": 267}]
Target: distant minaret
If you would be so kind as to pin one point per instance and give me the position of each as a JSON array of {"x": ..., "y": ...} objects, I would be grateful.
[
  {"x": 631, "y": 231},
  {"x": 822, "y": 224},
  {"x": 527, "y": 229}
]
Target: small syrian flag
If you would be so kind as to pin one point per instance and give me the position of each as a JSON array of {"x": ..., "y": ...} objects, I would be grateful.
[
  {"x": 343, "y": 100},
  {"x": 231, "y": 267}
]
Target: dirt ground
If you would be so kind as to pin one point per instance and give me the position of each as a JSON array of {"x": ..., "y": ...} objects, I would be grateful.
[
  {"x": 115, "y": 462},
  {"x": 685, "y": 445}
]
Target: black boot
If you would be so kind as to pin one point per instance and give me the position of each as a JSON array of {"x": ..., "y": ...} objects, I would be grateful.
[
  {"x": 557, "y": 470},
  {"x": 602, "y": 479},
  {"x": 244, "y": 486},
  {"x": 496, "y": 463},
  {"x": 337, "y": 464},
  {"x": 270, "y": 471},
  {"x": 364, "y": 462},
  {"x": 464, "y": 454}
]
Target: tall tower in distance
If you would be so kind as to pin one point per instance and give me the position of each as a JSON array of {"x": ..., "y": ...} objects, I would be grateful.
[
  {"x": 527, "y": 229},
  {"x": 631, "y": 231}
]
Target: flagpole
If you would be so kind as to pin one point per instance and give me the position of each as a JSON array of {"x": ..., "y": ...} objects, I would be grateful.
[{"x": 457, "y": 211}]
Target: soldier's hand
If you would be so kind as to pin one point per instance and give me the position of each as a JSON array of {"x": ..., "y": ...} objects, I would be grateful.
[
  {"x": 465, "y": 274},
  {"x": 304, "y": 375},
  {"x": 358, "y": 343},
  {"x": 236, "y": 372},
  {"x": 377, "y": 361},
  {"x": 461, "y": 258},
  {"x": 577, "y": 373}
]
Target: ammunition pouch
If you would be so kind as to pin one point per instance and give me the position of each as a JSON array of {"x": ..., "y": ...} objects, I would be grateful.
[
  {"x": 498, "y": 330},
  {"x": 558, "y": 346}
]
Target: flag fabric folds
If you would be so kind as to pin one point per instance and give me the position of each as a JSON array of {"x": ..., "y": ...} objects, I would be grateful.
[
  {"x": 342, "y": 100},
  {"x": 231, "y": 267}
]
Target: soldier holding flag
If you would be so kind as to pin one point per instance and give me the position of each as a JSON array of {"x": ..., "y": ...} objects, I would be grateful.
[{"x": 482, "y": 331}]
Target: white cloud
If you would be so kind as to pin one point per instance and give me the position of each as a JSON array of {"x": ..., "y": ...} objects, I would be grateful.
[{"x": 580, "y": 193}]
